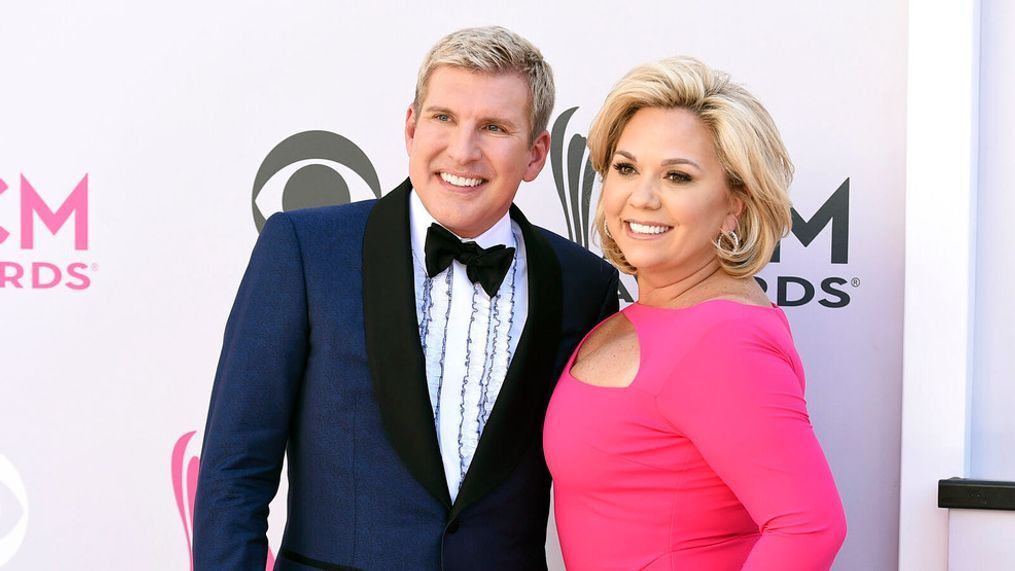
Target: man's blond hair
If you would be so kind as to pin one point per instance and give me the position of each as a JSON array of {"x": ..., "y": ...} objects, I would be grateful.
[{"x": 493, "y": 50}]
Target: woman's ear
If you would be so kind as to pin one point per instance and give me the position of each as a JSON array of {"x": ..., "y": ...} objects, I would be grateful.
[{"x": 732, "y": 220}]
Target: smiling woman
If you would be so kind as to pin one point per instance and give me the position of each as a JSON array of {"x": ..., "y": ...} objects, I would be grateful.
[
  {"x": 668, "y": 197},
  {"x": 702, "y": 456},
  {"x": 720, "y": 123}
]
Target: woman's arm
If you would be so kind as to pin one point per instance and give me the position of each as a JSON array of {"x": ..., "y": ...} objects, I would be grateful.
[{"x": 741, "y": 402}]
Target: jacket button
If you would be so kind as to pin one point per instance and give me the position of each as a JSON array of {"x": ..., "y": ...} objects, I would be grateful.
[{"x": 453, "y": 526}]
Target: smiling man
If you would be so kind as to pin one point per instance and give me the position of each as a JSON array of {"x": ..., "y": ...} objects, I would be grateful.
[{"x": 401, "y": 351}]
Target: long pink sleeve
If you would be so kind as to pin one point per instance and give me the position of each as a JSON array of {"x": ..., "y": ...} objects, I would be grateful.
[{"x": 739, "y": 398}]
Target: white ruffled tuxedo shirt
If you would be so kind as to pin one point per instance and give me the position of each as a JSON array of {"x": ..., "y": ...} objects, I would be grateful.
[{"x": 468, "y": 338}]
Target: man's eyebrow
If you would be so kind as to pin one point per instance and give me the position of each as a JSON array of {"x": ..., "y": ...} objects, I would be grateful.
[
  {"x": 500, "y": 121},
  {"x": 436, "y": 109},
  {"x": 666, "y": 163}
]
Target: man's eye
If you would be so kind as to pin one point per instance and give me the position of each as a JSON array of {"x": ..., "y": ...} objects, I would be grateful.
[
  {"x": 442, "y": 117},
  {"x": 495, "y": 128}
]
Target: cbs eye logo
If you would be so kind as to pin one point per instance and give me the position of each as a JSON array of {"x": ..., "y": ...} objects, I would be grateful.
[
  {"x": 312, "y": 168},
  {"x": 13, "y": 511}
]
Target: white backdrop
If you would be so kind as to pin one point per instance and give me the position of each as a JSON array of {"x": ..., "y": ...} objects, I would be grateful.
[{"x": 107, "y": 352}]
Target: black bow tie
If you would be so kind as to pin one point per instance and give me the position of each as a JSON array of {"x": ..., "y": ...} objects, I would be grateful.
[{"x": 488, "y": 266}]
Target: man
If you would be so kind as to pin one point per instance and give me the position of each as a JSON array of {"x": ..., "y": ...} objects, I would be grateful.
[{"x": 404, "y": 372}]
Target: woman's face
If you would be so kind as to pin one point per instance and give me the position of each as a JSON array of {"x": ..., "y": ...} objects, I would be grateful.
[{"x": 665, "y": 195}]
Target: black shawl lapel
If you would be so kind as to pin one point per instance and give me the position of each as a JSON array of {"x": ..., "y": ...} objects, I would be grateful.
[
  {"x": 394, "y": 352},
  {"x": 516, "y": 420}
]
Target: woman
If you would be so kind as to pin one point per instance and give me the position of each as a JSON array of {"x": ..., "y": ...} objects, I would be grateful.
[{"x": 678, "y": 435}]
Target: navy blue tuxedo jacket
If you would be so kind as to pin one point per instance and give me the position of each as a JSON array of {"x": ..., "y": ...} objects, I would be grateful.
[{"x": 322, "y": 361}]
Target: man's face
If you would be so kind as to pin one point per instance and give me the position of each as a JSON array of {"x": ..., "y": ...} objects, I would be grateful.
[{"x": 469, "y": 147}]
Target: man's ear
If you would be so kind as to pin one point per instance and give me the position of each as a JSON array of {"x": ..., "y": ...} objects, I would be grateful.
[
  {"x": 410, "y": 128},
  {"x": 537, "y": 156}
]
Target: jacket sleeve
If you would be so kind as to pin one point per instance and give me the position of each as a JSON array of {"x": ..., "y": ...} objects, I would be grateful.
[
  {"x": 611, "y": 301},
  {"x": 256, "y": 384},
  {"x": 741, "y": 402}
]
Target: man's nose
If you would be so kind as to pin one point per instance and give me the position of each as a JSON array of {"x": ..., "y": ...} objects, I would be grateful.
[{"x": 464, "y": 145}]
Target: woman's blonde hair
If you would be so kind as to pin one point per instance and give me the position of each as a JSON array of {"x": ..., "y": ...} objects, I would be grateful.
[{"x": 747, "y": 144}]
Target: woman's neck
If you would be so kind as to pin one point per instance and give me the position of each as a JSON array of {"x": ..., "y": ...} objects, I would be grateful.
[{"x": 678, "y": 289}]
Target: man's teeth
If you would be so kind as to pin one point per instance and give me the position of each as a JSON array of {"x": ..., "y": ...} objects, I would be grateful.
[
  {"x": 460, "y": 180},
  {"x": 646, "y": 229}
]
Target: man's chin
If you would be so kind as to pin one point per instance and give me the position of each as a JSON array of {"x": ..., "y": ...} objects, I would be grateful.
[
  {"x": 466, "y": 224},
  {"x": 462, "y": 227}
]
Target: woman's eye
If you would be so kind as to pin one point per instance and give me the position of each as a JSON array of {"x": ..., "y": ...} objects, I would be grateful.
[
  {"x": 623, "y": 169},
  {"x": 675, "y": 176}
]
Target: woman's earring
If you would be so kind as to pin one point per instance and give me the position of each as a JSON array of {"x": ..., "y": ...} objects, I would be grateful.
[
  {"x": 729, "y": 237},
  {"x": 606, "y": 230}
]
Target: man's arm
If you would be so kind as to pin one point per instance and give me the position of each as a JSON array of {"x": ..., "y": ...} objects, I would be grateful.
[
  {"x": 611, "y": 301},
  {"x": 259, "y": 373}
]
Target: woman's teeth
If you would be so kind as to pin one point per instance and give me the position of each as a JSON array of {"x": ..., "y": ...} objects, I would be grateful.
[{"x": 646, "y": 229}]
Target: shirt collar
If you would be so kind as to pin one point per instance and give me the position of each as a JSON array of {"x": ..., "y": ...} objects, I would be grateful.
[{"x": 420, "y": 220}]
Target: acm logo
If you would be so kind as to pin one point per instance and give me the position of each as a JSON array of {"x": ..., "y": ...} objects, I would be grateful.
[
  {"x": 35, "y": 273},
  {"x": 574, "y": 180},
  {"x": 833, "y": 293}
]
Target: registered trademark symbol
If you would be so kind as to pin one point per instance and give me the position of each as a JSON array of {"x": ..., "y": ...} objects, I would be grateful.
[
  {"x": 95, "y": 268},
  {"x": 855, "y": 282}
]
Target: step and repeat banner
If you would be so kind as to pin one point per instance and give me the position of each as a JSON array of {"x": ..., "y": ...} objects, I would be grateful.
[{"x": 142, "y": 145}]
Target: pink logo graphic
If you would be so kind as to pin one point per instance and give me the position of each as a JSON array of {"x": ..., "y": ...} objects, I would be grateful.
[
  {"x": 184, "y": 469},
  {"x": 32, "y": 205},
  {"x": 39, "y": 274},
  {"x": 12, "y": 534},
  {"x": 3, "y": 233}
]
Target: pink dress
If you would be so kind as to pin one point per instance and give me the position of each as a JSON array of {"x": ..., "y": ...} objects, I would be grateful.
[{"x": 707, "y": 461}]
